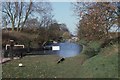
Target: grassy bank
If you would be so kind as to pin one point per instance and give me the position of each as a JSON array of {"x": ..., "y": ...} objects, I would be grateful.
[{"x": 103, "y": 64}]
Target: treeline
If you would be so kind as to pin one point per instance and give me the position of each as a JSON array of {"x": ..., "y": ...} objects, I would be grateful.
[
  {"x": 31, "y": 22},
  {"x": 36, "y": 35},
  {"x": 98, "y": 25},
  {"x": 54, "y": 31},
  {"x": 16, "y": 14},
  {"x": 96, "y": 19}
]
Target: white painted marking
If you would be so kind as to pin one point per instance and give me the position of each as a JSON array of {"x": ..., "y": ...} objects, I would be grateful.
[
  {"x": 14, "y": 45},
  {"x": 55, "y": 47}
]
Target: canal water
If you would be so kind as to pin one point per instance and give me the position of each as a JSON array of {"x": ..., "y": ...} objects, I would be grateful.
[{"x": 67, "y": 49}]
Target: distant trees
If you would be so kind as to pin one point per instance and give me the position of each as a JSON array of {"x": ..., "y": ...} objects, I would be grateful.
[
  {"x": 65, "y": 32},
  {"x": 33, "y": 18},
  {"x": 17, "y": 13},
  {"x": 53, "y": 31},
  {"x": 95, "y": 19}
]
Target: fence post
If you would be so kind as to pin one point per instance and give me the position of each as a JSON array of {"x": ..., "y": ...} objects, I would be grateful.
[
  {"x": 28, "y": 47},
  {"x": 11, "y": 48}
]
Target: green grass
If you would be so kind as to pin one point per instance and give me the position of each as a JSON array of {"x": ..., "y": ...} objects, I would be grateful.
[
  {"x": 92, "y": 48},
  {"x": 103, "y": 65},
  {"x": 94, "y": 45},
  {"x": 42, "y": 66}
]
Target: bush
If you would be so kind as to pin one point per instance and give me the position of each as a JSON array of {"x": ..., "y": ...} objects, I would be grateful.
[
  {"x": 91, "y": 48},
  {"x": 89, "y": 52},
  {"x": 95, "y": 45},
  {"x": 83, "y": 42},
  {"x": 110, "y": 42},
  {"x": 19, "y": 38}
]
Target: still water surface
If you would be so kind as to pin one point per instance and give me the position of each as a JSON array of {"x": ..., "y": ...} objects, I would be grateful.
[{"x": 67, "y": 49}]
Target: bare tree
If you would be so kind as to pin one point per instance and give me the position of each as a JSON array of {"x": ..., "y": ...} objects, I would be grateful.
[
  {"x": 44, "y": 10},
  {"x": 28, "y": 11},
  {"x": 8, "y": 8},
  {"x": 14, "y": 11},
  {"x": 5, "y": 21},
  {"x": 19, "y": 8},
  {"x": 19, "y": 12}
]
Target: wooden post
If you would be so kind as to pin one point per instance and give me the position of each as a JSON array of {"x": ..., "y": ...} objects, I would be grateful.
[
  {"x": 29, "y": 44},
  {"x": 11, "y": 48}
]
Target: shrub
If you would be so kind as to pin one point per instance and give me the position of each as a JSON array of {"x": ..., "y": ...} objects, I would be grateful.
[
  {"x": 18, "y": 37},
  {"x": 91, "y": 47},
  {"x": 95, "y": 45},
  {"x": 83, "y": 42}
]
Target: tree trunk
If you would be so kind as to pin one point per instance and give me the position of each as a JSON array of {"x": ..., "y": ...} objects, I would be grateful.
[
  {"x": 12, "y": 25},
  {"x": 17, "y": 29},
  {"x": 26, "y": 16},
  {"x": 6, "y": 25},
  {"x": 18, "y": 26}
]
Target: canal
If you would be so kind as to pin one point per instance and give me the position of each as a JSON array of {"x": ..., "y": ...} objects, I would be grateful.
[{"x": 66, "y": 49}]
